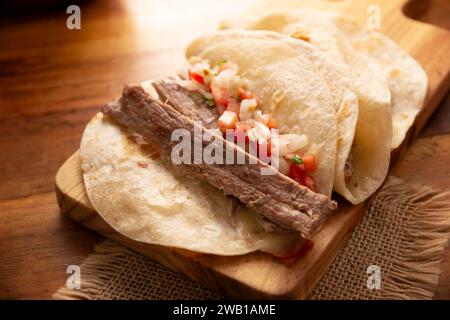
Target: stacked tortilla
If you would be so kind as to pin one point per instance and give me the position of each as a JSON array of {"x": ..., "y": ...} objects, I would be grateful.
[
  {"x": 389, "y": 86},
  {"x": 353, "y": 92}
]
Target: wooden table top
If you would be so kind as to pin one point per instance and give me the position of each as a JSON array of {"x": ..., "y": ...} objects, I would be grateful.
[{"x": 53, "y": 80}]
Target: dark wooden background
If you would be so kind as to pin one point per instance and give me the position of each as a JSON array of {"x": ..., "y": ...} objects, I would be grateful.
[{"x": 53, "y": 80}]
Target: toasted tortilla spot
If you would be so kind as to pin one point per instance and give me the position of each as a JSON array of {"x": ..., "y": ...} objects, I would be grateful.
[
  {"x": 347, "y": 25},
  {"x": 369, "y": 44},
  {"x": 301, "y": 34},
  {"x": 344, "y": 111},
  {"x": 395, "y": 73},
  {"x": 142, "y": 164}
]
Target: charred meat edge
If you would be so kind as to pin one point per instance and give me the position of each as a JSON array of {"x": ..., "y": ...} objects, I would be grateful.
[{"x": 276, "y": 197}]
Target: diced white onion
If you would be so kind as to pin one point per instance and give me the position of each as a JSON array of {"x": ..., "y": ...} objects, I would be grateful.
[
  {"x": 248, "y": 105},
  {"x": 225, "y": 78},
  {"x": 249, "y": 122},
  {"x": 194, "y": 86},
  {"x": 206, "y": 94},
  {"x": 246, "y": 115},
  {"x": 259, "y": 133},
  {"x": 194, "y": 59},
  {"x": 188, "y": 85},
  {"x": 227, "y": 120},
  {"x": 231, "y": 67},
  {"x": 313, "y": 150},
  {"x": 199, "y": 68},
  {"x": 290, "y": 143},
  {"x": 215, "y": 70},
  {"x": 258, "y": 115},
  {"x": 183, "y": 72}
]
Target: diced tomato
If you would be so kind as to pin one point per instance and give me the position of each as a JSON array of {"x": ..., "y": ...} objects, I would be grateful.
[
  {"x": 240, "y": 135},
  {"x": 244, "y": 94},
  {"x": 264, "y": 151},
  {"x": 227, "y": 121},
  {"x": 196, "y": 77},
  {"x": 310, "y": 163},
  {"x": 243, "y": 126},
  {"x": 297, "y": 173},
  {"x": 234, "y": 106},
  {"x": 252, "y": 147},
  {"x": 268, "y": 121},
  {"x": 309, "y": 183},
  {"x": 220, "y": 108},
  {"x": 306, "y": 247},
  {"x": 271, "y": 124},
  {"x": 220, "y": 96},
  {"x": 269, "y": 149}
]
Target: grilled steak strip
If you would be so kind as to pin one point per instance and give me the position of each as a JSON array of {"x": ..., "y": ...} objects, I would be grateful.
[
  {"x": 276, "y": 197},
  {"x": 194, "y": 106},
  {"x": 189, "y": 104}
]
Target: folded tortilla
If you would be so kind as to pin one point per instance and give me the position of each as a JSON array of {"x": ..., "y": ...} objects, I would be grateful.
[
  {"x": 406, "y": 78},
  {"x": 146, "y": 199},
  {"x": 360, "y": 98},
  {"x": 275, "y": 198},
  {"x": 314, "y": 81},
  {"x": 290, "y": 89}
]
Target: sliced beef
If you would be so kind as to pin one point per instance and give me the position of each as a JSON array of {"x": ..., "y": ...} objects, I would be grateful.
[
  {"x": 279, "y": 199},
  {"x": 190, "y": 104},
  {"x": 269, "y": 226},
  {"x": 194, "y": 106}
]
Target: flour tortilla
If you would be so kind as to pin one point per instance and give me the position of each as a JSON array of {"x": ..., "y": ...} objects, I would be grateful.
[
  {"x": 407, "y": 79},
  {"x": 361, "y": 98},
  {"x": 290, "y": 89},
  {"x": 148, "y": 201},
  {"x": 145, "y": 200}
]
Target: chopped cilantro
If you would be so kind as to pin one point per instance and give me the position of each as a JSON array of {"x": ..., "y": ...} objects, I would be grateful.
[
  {"x": 210, "y": 102},
  {"x": 196, "y": 95},
  {"x": 221, "y": 62},
  {"x": 297, "y": 160}
]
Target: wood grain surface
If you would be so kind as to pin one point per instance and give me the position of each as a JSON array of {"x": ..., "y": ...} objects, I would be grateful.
[{"x": 53, "y": 80}]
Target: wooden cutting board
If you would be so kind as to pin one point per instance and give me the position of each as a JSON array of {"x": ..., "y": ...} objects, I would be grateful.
[{"x": 259, "y": 275}]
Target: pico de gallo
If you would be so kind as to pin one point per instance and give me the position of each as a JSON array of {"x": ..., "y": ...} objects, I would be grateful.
[{"x": 225, "y": 90}]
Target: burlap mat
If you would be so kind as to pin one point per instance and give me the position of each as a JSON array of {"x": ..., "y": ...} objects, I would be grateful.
[{"x": 404, "y": 233}]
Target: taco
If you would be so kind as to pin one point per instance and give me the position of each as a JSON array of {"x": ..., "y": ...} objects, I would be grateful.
[
  {"x": 241, "y": 152},
  {"x": 361, "y": 98},
  {"x": 406, "y": 78},
  {"x": 146, "y": 196}
]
